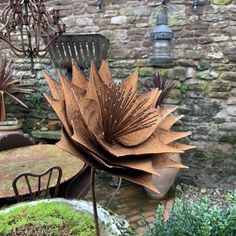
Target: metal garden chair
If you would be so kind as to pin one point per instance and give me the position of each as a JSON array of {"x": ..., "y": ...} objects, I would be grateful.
[{"x": 41, "y": 191}]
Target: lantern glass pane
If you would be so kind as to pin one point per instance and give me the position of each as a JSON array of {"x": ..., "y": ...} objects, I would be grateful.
[{"x": 161, "y": 51}]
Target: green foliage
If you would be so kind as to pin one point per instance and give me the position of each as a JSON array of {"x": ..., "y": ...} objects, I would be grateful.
[
  {"x": 199, "y": 154},
  {"x": 227, "y": 139},
  {"x": 48, "y": 214},
  {"x": 197, "y": 219},
  {"x": 184, "y": 87},
  {"x": 37, "y": 99}
]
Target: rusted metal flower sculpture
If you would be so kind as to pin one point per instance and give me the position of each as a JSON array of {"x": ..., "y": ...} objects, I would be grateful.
[{"x": 113, "y": 127}]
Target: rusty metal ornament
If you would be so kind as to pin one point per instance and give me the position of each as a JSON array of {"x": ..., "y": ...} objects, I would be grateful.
[
  {"x": 26, "y": 21},
  {"x": 113, "y": 127}
]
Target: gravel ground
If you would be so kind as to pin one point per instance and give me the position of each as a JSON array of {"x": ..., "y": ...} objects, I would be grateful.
[{"x": 192, "y": 194}]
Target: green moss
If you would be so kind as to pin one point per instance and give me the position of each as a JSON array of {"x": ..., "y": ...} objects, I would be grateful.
[
  {"x": 177, "y": 18},
  {"x": 48, "y": 214},
  {"x": 227, "y": 139},
  {"x": 146, "y": 71}
]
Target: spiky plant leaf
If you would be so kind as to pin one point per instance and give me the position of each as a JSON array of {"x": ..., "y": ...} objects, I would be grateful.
[{"x": 9, "y": 85}]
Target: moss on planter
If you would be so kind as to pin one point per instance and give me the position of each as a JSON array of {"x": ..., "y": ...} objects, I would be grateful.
[{"x": 52, "y": 217}]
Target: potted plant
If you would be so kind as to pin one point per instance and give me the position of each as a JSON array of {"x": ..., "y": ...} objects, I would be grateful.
[
  {"x": 9, "y": 85},
  {"x": 167, "y": 175}
]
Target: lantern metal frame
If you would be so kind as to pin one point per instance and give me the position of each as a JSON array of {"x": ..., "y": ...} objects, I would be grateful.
[
  {"x": 27, "y": 21},
  {"x": 162, "y": 34}
]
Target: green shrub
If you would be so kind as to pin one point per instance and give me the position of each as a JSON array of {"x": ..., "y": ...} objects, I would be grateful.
[
  {"x": 53, "y": 217},
  {"x": 196, "y": 219}
]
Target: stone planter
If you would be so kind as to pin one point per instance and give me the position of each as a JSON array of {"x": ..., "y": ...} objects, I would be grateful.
[
  {"x": 165, "y": 180},
  {"x": 10, "y": 126},
  {"x": 110, "y": 223}
]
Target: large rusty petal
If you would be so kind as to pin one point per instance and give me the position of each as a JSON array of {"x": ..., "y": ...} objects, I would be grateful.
[
  {"x": 182, "y": 146},
  {"x": 163, "y": 161},
  {"x": 169, "y": 121},
  {"x": 167, "y": 136},
  {"x": 137, "y": 177},
  {"x": 55, "y": 88},
  {"x": 66, "y": 144},
  {"x": 152, "y": 146},
  {"x": 131, "y": 81},
  {"x": 78, "y": 78},
  {"x": 70, "y": 102},
  {"x": 105, "y": 74},
  {"x": 59, "y": 108}
]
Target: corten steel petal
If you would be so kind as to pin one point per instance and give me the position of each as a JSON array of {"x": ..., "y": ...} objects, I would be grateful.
[{"x": 113, "y": 127}]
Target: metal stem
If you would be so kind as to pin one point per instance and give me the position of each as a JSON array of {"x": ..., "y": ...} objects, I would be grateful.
[{"x": 95, "y": 213}]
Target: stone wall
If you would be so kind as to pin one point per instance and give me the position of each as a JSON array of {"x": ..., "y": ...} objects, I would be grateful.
[{"x": 204, "y": 69}]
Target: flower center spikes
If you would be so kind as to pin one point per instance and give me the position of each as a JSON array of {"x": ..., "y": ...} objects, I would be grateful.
[{"x": 122, "y": 114}]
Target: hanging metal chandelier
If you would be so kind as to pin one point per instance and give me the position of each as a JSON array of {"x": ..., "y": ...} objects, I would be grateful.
[{"x": 24, "y": 22}]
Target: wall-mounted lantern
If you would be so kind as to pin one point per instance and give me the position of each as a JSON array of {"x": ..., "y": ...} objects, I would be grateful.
[
  {"x": 195, "y": 4},
  {"x": 99, "y": 5},
  {"x": 161, "y": 39}
]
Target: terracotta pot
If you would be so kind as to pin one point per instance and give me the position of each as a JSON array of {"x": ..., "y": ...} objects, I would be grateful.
[
  {"x": 165, "y": 180},
  {"x": 53, "y": 125}
]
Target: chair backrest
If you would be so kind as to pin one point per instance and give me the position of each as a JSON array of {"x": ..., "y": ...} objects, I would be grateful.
[{"x": 41, "y": 191}]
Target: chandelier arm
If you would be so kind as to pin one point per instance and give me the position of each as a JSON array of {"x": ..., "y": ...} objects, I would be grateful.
[
  {"x": 5, "y": 24},
  {"x": 49, "y": 43},
  {"x": 22, "y": 43},
  {"x": 50, "y": 27},
  {"x": 9, "y": 43},
  {"x": 37, "y": 38},
  {"x": 29, "y": 36},
  {"x": 6, "y": 12}
]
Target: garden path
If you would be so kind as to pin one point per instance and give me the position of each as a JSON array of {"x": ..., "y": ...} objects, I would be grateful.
[{"x": 131, "y": 202}]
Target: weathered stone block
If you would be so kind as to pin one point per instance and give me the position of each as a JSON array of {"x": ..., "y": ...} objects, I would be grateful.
[
  {"x": 84, "y": 21},
  {"x": 120, "y": 35},
  {"x": 231, "y": 101},
  {"x": 222, "y": 2},
  {"x": 177, "y": 73},
  {"x": 123, "y": 64},
  {"x": 231, "y": 110},
  {"x": 207, "y": 75},
  {"x": 228, "y": 126},
  {"x": 231, "y": 76},
  {"x": 220, "y": 86},
  {"x": 146, "y": 71},
  {"x": 221, "y": 95},
  {"x": 118, "y": 20}
]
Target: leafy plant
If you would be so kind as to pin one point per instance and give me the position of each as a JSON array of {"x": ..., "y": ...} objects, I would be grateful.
[
  {"x": 37, "y": 99},
  {"x": 9, "y": 85},
  {"x": 184, "y": 87},
  {"x": 196, "y": 219},
  {"x": 46, "y": 219}
]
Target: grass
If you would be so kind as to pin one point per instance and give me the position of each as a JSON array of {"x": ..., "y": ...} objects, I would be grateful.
[{"x": 50, "y": 217}]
